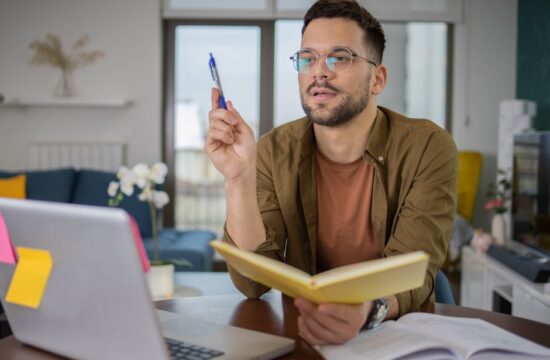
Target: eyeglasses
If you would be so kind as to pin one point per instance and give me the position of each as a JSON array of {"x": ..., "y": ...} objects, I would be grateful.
[{"x": 338, "y": 59}]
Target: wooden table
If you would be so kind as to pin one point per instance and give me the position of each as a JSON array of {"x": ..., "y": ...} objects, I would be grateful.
[{"x": 275, "y": 314}]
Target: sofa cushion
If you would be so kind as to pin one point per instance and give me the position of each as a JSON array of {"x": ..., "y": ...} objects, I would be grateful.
[
  {"x": 14, "y": 187},
  {"x": 47, "y": 185},
  {"x": 91, "y": 189},
  {"x": 187, "y": 245}
]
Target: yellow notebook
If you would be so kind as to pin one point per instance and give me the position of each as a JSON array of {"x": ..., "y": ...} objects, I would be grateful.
[{"x": 351, "y": 284}]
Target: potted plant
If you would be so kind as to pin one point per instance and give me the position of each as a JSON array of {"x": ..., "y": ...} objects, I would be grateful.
[{"x": 146, "y": 179}]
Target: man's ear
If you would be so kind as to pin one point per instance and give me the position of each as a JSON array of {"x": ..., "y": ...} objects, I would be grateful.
[{"x": 380, "y": 77}]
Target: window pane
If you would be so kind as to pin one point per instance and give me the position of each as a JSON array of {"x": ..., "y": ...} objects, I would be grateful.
[
  {"x": 199, "y": 199},
  {"x": 286, "y": 102},
  {"x": 427, "y": 71},
  {"x": 416, "y": 57}
]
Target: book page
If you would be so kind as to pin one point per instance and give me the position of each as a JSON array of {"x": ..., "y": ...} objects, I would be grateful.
[
  {"x": 388, "y": 341},
  {"x": 270, "y": 272},
  {"x": 472, "y": 336}
]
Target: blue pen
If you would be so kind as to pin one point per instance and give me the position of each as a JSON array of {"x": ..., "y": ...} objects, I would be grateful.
[{"x": 216, "y": 78}]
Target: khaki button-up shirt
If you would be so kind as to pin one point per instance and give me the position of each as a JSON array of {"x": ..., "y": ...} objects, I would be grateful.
[{"x": 413, "y": 201}]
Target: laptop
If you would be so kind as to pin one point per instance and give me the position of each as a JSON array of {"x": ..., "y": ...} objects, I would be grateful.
[{"x": 96, "y": 304}]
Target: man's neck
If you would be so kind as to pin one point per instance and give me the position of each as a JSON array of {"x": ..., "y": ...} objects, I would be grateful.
[{"x": 346, "y": 143}]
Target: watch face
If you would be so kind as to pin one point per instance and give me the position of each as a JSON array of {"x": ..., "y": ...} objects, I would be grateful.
[{"x": 379, "y": 311}]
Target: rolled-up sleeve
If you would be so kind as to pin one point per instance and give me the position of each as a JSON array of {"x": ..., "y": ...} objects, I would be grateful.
[
  {"x": 425, "y": 218},
  {"x": 273, "y": 222}
]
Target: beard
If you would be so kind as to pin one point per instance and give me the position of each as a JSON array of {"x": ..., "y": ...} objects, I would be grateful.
[{"x": 348, "y": 109}]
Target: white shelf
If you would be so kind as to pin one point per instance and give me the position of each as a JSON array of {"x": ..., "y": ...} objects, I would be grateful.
[{"x": 67, "y": 102}]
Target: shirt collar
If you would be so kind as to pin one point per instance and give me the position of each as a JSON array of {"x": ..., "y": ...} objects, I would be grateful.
[{"x": 376, "y": 143}]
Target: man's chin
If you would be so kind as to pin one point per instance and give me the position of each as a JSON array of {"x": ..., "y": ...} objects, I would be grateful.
[{"x": 329, "y": 120}]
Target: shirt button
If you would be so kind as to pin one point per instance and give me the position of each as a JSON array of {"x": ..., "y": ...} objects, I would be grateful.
[{"x": 380, "y": 158}]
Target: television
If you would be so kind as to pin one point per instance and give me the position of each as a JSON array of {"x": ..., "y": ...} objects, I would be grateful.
[{"x": 531, "y": 191}]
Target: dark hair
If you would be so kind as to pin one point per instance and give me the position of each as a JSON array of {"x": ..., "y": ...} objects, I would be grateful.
[{"x": 350, "y": 9}]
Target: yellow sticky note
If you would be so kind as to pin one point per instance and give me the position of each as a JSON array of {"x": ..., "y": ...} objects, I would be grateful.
[{"x": 30, "y": 278}]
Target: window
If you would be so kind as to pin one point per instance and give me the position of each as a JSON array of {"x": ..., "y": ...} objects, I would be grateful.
[{"x": 198, "y": 196}]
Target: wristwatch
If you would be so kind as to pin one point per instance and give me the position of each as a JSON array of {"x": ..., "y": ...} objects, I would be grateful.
[{"x": 377, "y": 313}]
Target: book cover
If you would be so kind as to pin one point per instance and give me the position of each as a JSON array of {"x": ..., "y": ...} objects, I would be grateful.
[{"x": 351, "y": 284}]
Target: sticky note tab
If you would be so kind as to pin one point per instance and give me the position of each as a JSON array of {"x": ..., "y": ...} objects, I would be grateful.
[
  {"x": 30, "y": 278},
  {"x": 7, "y": 253},
  {"x": 139, "y": 245}
]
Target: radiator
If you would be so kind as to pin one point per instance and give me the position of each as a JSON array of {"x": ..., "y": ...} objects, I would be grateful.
[{"x": 108, "y": 156}]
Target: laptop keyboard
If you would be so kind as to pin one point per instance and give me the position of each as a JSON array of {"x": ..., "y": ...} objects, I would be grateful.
[{"x": 181, "y": 350}]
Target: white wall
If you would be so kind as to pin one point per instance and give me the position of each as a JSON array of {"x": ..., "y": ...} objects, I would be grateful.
[
  {"x": 484, "y": 74},
  {"x": 127, "y": 31}
]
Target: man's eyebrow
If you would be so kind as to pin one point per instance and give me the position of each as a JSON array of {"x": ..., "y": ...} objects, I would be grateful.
[{"x": 331, "y": 48}]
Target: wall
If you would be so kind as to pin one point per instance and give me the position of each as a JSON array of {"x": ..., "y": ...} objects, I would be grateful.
[
  {"x": 533, "y": 57},
  {"x": 484, "y": 74},
  {"x": 128, "y": 31}
]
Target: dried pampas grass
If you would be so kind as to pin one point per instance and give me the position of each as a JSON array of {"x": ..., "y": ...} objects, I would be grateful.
[{"x": 50, "y": 52}]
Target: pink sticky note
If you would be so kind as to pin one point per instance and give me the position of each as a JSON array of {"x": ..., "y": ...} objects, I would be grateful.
[
  {"x": 139, "y": 245},
  {"x": 7, "y": 252}
]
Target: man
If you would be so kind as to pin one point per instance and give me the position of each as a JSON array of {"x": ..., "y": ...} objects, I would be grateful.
[{"x": 349, "y": 182}]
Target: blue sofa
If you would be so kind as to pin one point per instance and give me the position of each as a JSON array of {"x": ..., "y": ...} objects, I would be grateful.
[{"x": 89, "y": 187}]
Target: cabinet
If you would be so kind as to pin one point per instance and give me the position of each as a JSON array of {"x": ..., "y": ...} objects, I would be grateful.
[{"x": 487, "y": 284}]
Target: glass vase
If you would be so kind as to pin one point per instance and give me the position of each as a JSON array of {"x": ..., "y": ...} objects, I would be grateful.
[{"x": 65, "y": 85}]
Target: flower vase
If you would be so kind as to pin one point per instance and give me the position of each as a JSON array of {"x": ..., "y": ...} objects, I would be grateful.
[
  {"x": 65, "y": 86},
  {"x": 161, "y": 281},
  {"x": 498, "y": 229}
]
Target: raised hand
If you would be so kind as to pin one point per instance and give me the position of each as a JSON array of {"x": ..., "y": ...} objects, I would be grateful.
[{"x": 230, "y": 142}]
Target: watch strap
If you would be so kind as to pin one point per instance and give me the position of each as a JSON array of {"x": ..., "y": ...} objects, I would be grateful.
[{"x": 377, "y": 314}]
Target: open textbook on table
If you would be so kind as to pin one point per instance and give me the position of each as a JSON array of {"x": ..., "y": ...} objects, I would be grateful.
[
  {"x": 429, "y": 336},
  {"x": 351, "y": 284}
]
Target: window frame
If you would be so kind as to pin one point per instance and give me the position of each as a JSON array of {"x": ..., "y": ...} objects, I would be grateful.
[{"x": 267, "y": 74}]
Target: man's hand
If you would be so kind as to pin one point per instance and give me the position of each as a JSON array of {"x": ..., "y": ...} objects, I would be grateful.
[
  {"x": 230, "y": 141},
  {"x": 330, "y": 323}
]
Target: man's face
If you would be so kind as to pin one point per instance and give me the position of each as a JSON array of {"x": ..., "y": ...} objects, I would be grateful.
[{"x": 332, "y": 98}]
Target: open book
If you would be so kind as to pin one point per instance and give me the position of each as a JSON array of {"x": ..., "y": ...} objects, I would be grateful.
[
  {"x": 351, "y": 284},
  {"x": 429, "y": 336}
]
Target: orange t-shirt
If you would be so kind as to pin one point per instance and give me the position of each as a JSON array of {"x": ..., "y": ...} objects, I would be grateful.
[{"x": 344, "y": 195}]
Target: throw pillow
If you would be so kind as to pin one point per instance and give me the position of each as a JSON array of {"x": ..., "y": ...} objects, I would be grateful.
[
  {"x": 14, "y": 187},
  {"x": 48, "y": 185}
]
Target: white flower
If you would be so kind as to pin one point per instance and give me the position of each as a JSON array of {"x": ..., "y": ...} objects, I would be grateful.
[
  {"x": 158, "y": 172},
  {"x": 160, "y": 198},
  {"x": 144, "y": 178},
  {"x": 141, "y": 172},
  {"x": 127, "y": 180},
  {"x": 146, "y": 195},
  {"x": 127, "y": 186},
  {"x": 113, "y": 188},
  {"x": 122, "y": 172}
]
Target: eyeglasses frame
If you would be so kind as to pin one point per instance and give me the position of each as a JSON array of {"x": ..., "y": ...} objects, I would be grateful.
[{"x": 318, "y": 57}]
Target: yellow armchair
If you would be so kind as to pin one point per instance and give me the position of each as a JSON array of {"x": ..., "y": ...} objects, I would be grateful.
[{"x": 469, "y": 172}]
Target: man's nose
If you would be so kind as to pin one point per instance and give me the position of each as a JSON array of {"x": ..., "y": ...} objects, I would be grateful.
[{"x": 321, "y": 70}]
